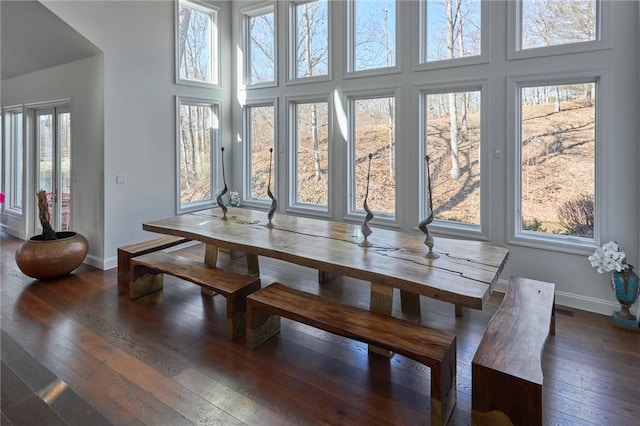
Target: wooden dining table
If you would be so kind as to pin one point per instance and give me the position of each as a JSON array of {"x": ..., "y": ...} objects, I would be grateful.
[{"x": 462, "y": 271}]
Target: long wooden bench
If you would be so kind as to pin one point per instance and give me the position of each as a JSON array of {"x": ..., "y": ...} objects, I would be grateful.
[
  {"x": 433, "y": 348},
  {"x": 507, "y": 367},
  {"x": 147, "y": 277},
  {"x": 126, "y": 253}
]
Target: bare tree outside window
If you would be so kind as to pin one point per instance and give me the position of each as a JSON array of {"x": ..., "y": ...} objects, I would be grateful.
[
  {"x": 197, "y": 46},
  {"x": 312, "y": 153},
  {"x": 374, "y": 34},
  {"x": 454, "y": 199},
  {"x": 372, "y": 128},
  {"x": 556, "y": 22},
  {"x": 453, "y": 29},
  {"x": 196, "y": 124},
  {"x": 558, "y": 159},
  {"x": 262, "y": 48},
  {"x": 261, "y": 132},
  {"x": 312, "y": 39}
]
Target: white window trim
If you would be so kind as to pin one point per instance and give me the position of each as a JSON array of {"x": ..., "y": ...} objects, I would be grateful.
[
  {"x": 514, "y": 35},
  {"x": 292, "y": 205},
  {"x": 351, "y": 50},
  {"x": 247, "y": 14},
  {"x": 216, "y": 169},
  {"x": 214, "y": 44},
  {"x": 358, "y": 214},
  {"x": 10, "y": 179},
  {"x": 247, "y": 199},
  {"x": 554, "y": 242},
  {"x": 483, "y": 58},
  {"x": 291, "y": 48},
  {"x": 444, "y": 227}
]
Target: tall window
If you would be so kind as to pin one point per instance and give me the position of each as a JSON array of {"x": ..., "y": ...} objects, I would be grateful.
[
  {"x": 311, "y": 42},
  {"x": 451, "y": 29},
  {"x": 373, "y": 132},
  {"x": 197, "y": 43},
  {"x": 14, "y": 158},
  {"x": 311, "y": 150},
  {"x": 546, "y": 23},
  {"x": 198, "y": 133},
  {"x": 372, "y": 30},
  {"x": 557, "y": 158},
  {"x": 452, "y": 135},
  {"x": 260, "y": 139},
  {"x": 260, "y": 57}
]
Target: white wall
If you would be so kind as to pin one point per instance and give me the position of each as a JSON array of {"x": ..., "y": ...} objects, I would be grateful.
[
  {"x": 81, "y": 81},
  {"x": 137, "y": 38}
]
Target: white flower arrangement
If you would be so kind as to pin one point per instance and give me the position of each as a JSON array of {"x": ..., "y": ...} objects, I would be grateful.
[
  {"x": 609, "y": 258},
  {"x": 234, "y": 198}
]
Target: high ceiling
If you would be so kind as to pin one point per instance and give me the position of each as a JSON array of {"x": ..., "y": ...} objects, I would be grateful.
[{"x": 33, "y": 38}]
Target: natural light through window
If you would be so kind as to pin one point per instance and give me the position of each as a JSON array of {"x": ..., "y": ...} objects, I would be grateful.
[
  {"x": 557, "y": 147},
  {"x": 260, "y": 127},
  {"x": 311, "y": 41},
  {"x": 452, "y": 135},
  {"x": 197, "y": 40}
]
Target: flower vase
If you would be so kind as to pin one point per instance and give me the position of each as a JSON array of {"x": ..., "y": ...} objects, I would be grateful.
[{"x": 625, "y": 286}]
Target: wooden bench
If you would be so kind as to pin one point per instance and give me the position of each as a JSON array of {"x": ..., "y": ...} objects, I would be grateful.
[
  {"x": 126, "y": 253},
  {"x": 507, "y": 367},
  {"x": 433, "y": 348},
  {"x": 147, "y": 277}
]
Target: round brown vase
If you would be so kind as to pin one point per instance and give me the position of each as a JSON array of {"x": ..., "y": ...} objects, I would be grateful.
[{"x": 49, "y": 259}]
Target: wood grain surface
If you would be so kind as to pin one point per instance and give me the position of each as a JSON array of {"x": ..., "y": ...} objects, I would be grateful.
[{"x": 463, "y": 274}]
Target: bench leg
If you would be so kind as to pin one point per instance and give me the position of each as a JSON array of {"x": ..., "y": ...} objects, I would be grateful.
[
  {"x": 261, "y": 326},
  {"x": 237, "y": 311},
  {"x": 443, "y": 388},
  {"x": 459, "y": 311},
  {"x": 144, "y": 281},
  {"x": 381, "y": 301}
]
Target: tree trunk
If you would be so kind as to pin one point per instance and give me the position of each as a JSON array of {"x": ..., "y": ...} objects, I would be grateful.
[{"x": 453, "y": 112}]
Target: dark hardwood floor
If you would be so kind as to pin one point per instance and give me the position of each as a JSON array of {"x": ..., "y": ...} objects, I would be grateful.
[{"x": 77, "y": 351}]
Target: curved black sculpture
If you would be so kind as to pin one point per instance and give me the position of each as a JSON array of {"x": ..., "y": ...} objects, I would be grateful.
[
  {"x": 274, "y": 202},
  {"x": 366, "y": 230},
  {"x": 224, "y": 190},
  {"x": 428, "y": 239}
]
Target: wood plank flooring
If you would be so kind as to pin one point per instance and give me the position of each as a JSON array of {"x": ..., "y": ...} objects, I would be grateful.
[{"x": 77, "y": 351}]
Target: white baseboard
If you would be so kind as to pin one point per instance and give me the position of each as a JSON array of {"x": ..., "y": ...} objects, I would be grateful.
[{"x": 576, "y": 301}]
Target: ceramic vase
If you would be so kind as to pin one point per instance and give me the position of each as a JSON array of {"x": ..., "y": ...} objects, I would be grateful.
[{"x": 625, "y": 286}]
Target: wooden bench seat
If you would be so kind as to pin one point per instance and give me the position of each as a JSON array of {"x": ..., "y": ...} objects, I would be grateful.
[
  {"x": 433, "y": 348},
  {"x": 507, "y": 367},
  {"x": 147, "y": 277},
  {"x": 126, "y": 253}
]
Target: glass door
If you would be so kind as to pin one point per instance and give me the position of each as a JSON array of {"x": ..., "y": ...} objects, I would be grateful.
[{"x": 53, "y": 139}]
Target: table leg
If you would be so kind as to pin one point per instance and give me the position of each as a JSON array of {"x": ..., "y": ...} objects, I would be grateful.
[
  {"x": 458, "y": 310},
  {"x": 211, "y": 259},
  {"x": 326, "y": 276},
  {"x": 252, "y": 265},
  {"x": 410, "y": 303},
  {"x": 381, "y": 302}
]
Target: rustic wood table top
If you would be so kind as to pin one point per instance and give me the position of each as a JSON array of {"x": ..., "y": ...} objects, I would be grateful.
[{"x": 463, "y": 273}]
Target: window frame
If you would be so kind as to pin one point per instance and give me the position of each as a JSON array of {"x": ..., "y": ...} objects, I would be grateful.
[
  {"x": 292, "y": 42},
  {"x": 446, "y": 227},
  {"x": 350, "y": 50},
  {"x": 247, "y": 14},
  {"x": 248, "y": 199},
  {"x": 11, "y": 158},
  {"x": 423, "y": 64},
  {"x": 514, "y": 35},
  {"x": 292, "y": 181},
  {"x": 214, "y": 158},
  {"x": 555, "y": 242},
  {"x": 214, "y": 44},
  {"x": 358, "y": 214}
]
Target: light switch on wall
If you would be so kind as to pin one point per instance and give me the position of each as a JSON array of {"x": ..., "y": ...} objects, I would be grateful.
[{"x": 121, "y": 178}]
